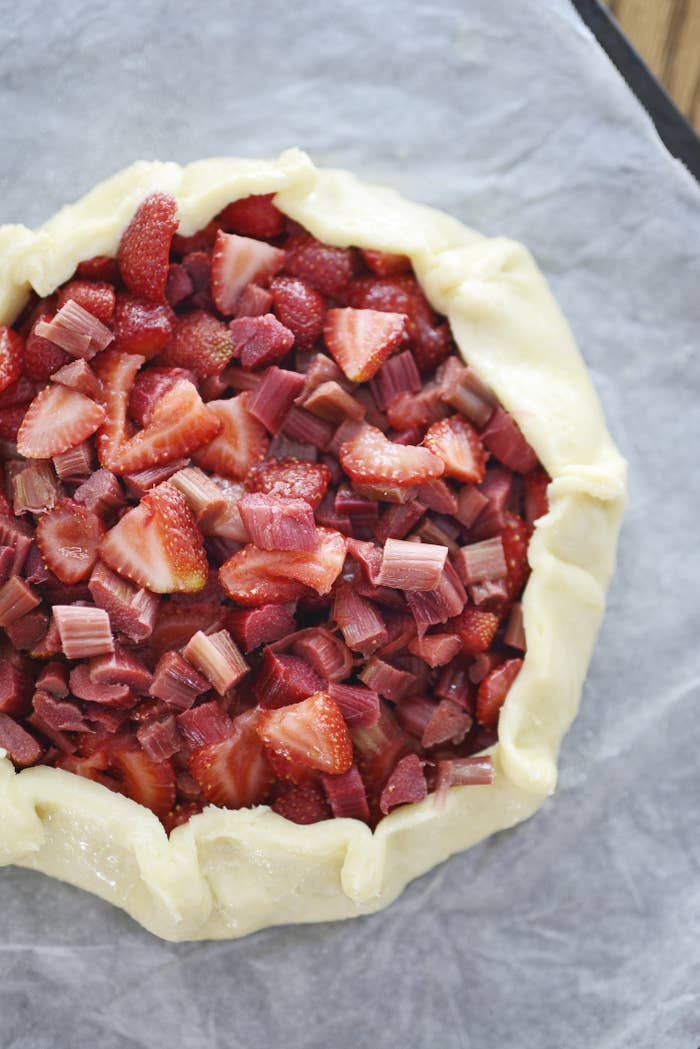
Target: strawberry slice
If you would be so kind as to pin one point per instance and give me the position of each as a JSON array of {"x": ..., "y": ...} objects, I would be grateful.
[
  {"x": 238, "y": 261},
  {"x": 515, "y": 537},
  {"x": 98, "y": 268},
  {"x": 144, "y": 250},
  {"x": 234, "y": 772},
  {"x": 385, "y": 264},
  {"x": 536, "y": 501},
  {"x": 493, "y": 691},
  {"x": 475, "y": 629},
  {"x": 247, "y": 581},
  {"x": 312, "y": 733},
  {"x": 242, "y": 442},
  {"x": 457, "y": 443},
  {"x": 251, "y": 576},
  {"x": 290, "y": 479},
  {"x": 149, "y": 386},
  {"x": 303, "y": 805},
  {"x": 57, "y": 419},
  {"x": 41, "y": 356},
  {"x": 361, "y": 340},
  {"x": 200, "y": 342},
  {"x": 325, "y": 267},
  {"x": 300, "y": 308},
  {"x": 371, "y": 459},
  {"x": 11, "y": 356},
  {"x": 157, "y": 544},
  {"x": 142, "y": 327},
  {"x": 116, "y": 372},
  {"x": 253, "y": 216},
  {"x": 150, "y": 783},
  {"x": 68, "y": 538},
  {"x": 97, "y": 297}
]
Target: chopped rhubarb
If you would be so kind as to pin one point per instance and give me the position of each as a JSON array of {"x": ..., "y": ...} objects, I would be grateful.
[
  {"x": 346, "y": 795},
  {"x": 437, "y": 606},
  {"x": 387, "y": 680},
  {"x": 218, "y": 658},
  {"x": 254, "y": 302},
  {"x": 406, "y": 784},
  {"x": 204, "y": 724},
  {"x": 131, "y": 610},
  {"x": 411, "y": 566},
  {"x": 493, "y": 691},
  {"x": 397, "y": 521},
  {"x": 79, "y": 376},
  {"x": 503, "y": 439},
  {"x": 470, "y": 503},
  {"x": 464, "y": 391},
  {"x": 16, "y": 599},
  {"x": 359, "y": 621},
  {"x": 481, "y": 561},
  {"x": 448, "y": 724},
  {"x": 324, "y": 652},
  {"x": 100, "y": 493},
  {"x": 34, "y": 489},
  {"x": 330, "y": 401},
  {"x": 278, "y": 524},
  {"x": 283, "y": 679},
  {"x": 438, "y": 496},
  {"x": 60, "y": 715},
  {"x": 160, "y": 739},
  {"x": 7, "y": 557},
  {"x": 358, "y": 705},
  {"x": 273, "y": 396},
  {"x": 429, "y": 531},
  {"x": 463, "y": 772},
  {"x": 76, "y": 464},
  {"x": 436, "y": 649},
  {"x": 204, "y": 497},
  {"x": 28, "y": 631},
  {"x": 84, "y": 632},
  {"x": 76, "y": 331},
  {"x": 54, "y": 679},
  {"x": 17, "y": 535},
  {"x": 177, "y": 682},
  {"x": 121, "y": 667},
  {"x": 399, "y": 375},
  {"x": 536, "y": 501},
  {"x": 514, "y": 635},
  {"x": 252, "y": 627},
  {"x": 15, "y": 689},
  {"x": 301, "y": 425}
]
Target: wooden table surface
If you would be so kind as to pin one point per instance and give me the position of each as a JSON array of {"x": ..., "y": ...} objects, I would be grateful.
[{"x": 666, "y": 33}]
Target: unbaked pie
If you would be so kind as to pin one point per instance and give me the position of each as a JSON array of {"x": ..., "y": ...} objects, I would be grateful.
[{"x": 307, "y": 512}]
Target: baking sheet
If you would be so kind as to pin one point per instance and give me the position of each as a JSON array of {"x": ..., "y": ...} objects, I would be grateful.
[{"x": 579, "y": 928}]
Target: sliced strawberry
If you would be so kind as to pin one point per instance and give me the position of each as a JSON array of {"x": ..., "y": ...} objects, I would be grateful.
[
  {"x": 290, "y": 479},
  {"x": 318, "y": 570},
  {"x": 202, "y": 240},
  {"x": 325, "y": 267},
  {"x": 386, "y": 264},
  {"x": 260, "y": 341},
  {"x": 79, "y": 376},
  {"x": 141, "y": 326},
  {"x": 98, "y": 268},
  {"x": 475, "y": 629},
  {"x": 300, "y": 308},
  {"x": 457, "y": 443},
  {"x": 200, "y": 342},
  {"x": 361, "y": 340},
  {"x": 234, "y": 772},
  {"x": 253, "y": 216},
  {"x": 150, "y": 783},
  {"x": 157, "y": 544},
  {"x": 371, "y": 459},
  {"x": 536, "y": 501},
  {"x": 301, "y": 805},
  {"x": 312, "y": 733},
  {"x": 378, "y": 749},
  {"x": 68, "y": 537},
  {"x": 247, "y": 581},
  {"x": 41, "y": 356},
  {"x": 493, "y": 691},
  {"x": 144, "y": 250},
  {"x": 149, "y": 386},
  {"x": 238, "y": 261},
  {"x": 516, "y": 537},
  {"x": 11, "y": 356},
  {"x": 180, "y": 814},
  {"x": 57, "y": 419},
  {"x": 97, "y": 297},
  {"x": 116, "y": 372},
  {"x": 242, "y": 442}
]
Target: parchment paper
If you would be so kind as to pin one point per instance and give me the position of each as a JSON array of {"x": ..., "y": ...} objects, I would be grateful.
[{"x": 580, "y": 928}]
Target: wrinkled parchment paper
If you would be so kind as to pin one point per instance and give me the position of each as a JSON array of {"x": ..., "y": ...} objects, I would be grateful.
[{"x": 580, "y": 928}]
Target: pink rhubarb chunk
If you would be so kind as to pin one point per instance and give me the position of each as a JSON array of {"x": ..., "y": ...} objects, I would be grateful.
[
  {"x": 84, "y": 632},
  {"x": 76, "y": 331},
  {"x": 406, "y": 784},
  {"x": 217, "y": 657},
  {"x": 411, "y": 566},
  {"x": 278, "y": 524}
]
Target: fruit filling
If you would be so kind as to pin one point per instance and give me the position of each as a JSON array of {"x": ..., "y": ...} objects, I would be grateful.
[{"x": 263, "y": 533}]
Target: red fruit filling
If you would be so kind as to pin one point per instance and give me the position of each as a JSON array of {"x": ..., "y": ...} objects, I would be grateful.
[{"x": 291, "y": 580}]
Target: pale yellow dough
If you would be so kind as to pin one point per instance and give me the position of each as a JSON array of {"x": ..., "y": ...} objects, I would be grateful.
[{"x": 227, "y": 873}]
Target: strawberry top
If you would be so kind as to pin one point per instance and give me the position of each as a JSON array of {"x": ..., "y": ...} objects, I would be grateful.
[{"x": 246, "y": 437}]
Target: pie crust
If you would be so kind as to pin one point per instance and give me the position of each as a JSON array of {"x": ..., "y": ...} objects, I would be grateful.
[{"x": 227, "y": 873}]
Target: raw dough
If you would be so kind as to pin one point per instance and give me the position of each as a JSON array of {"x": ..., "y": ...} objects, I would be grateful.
[{"x": 227, "y": 873}]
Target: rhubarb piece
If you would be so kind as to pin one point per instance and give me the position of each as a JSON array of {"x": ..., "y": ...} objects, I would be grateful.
[
  {"x": 284, "y": 679},
  {"x": 359, "y": 621},
  {"x": 437, "y": 606},
  {"x": 536, "y": 501},
  {"x": 278, "y": 524},
  {"x": 7, "y": 557},
  {"x": 483, "y": 664},
  {"x": 252, "y": 627},
  {"x": 325, "y": 653},
  {"x": 360, "y": 341},
  {"x": 346, "y": 795},
  {"x": 372, "y": 459},
  {"x": 384, "y": 263},
  {"x": 300, "y": 308},
  {"x": 203, "y": 725},
  {"x": 331, "y": 402},
  {"x": 409, "y": 410},
  {"x": 28, "y": 631},
  {"x": 490, "y": 596},
  {"x": 430, "y": 531},
  {"x": 253, "y": 216},
  {"x": 302, "y": 426},
  {"x": 233, "y": 771},
  {"x": 470, "y": 503},
  {"x": 462, "y": 772},
  {"x": 311, "y": 732},
  {"x": 436, "y": 649},
  {"x": 225, "y": 523},
  {"x": 41, "y": 356},
  {"x": 157, "y": 544},
  {"x": 358, "y": 705},
  {"x": 204, "y": 497},
  {"x": 144, "y": 249},
  {"x": 273, "y": 397},
  {"x": 148, "y": 782},
  {"x": 449, "y": 724},
  {"x": 387, "y": 680},
  {"x": 76, "y": 331},
  {"x": 16, "y": 687},
  {"x": 177, "y": 682},
  {"x": 363, "y": 512},
  {"x": 497, "y": 487},
  {"x": 78, "y": 375},
  {"x": 493, "y": 691},
  {"x": 76, "y": 464},
  {"x": 457, "y": 443},
  {"x": 218, "y": 659},
  {"x": 239, "y": 261},
  {"x": 57, "y": 419},
  {"x": 53, "y": 679},
  {"x": 178, "y": 286},
  {"x": 397, "y": 521},
  {"x": 503, "y": 439},
  {"x": 132, "y": 611},
  {"x": 438, "y": 496},
  {"x": 60, "y": 715},
  {"x": 144, "y": 480},
  {"x": 514, "y": 635},
  {"x": 22, "y": 749},
  {"x": 377, "y": 750},
  {"x": 241, "y": 444},
  {"x": 479, "y": 562},
  {"x": 34, "y": 489},
  {"x": 398, "y": 375},
  {"x": 101, "y": 493},
  {"x": 16, "y": 599},
  {"x": 405, "y": 785},
  {"x": 84, "y": 632},
  {"x": 121, "y": 667},
  {"x": 254, "y": 302},
  {"x": 411, "y": 566},
  {"x": 465, "y": 392},
  {"x": 68, "y": 537},
  {"x": 304, "y": 804},
  {"x": 160, "y": 739}
]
